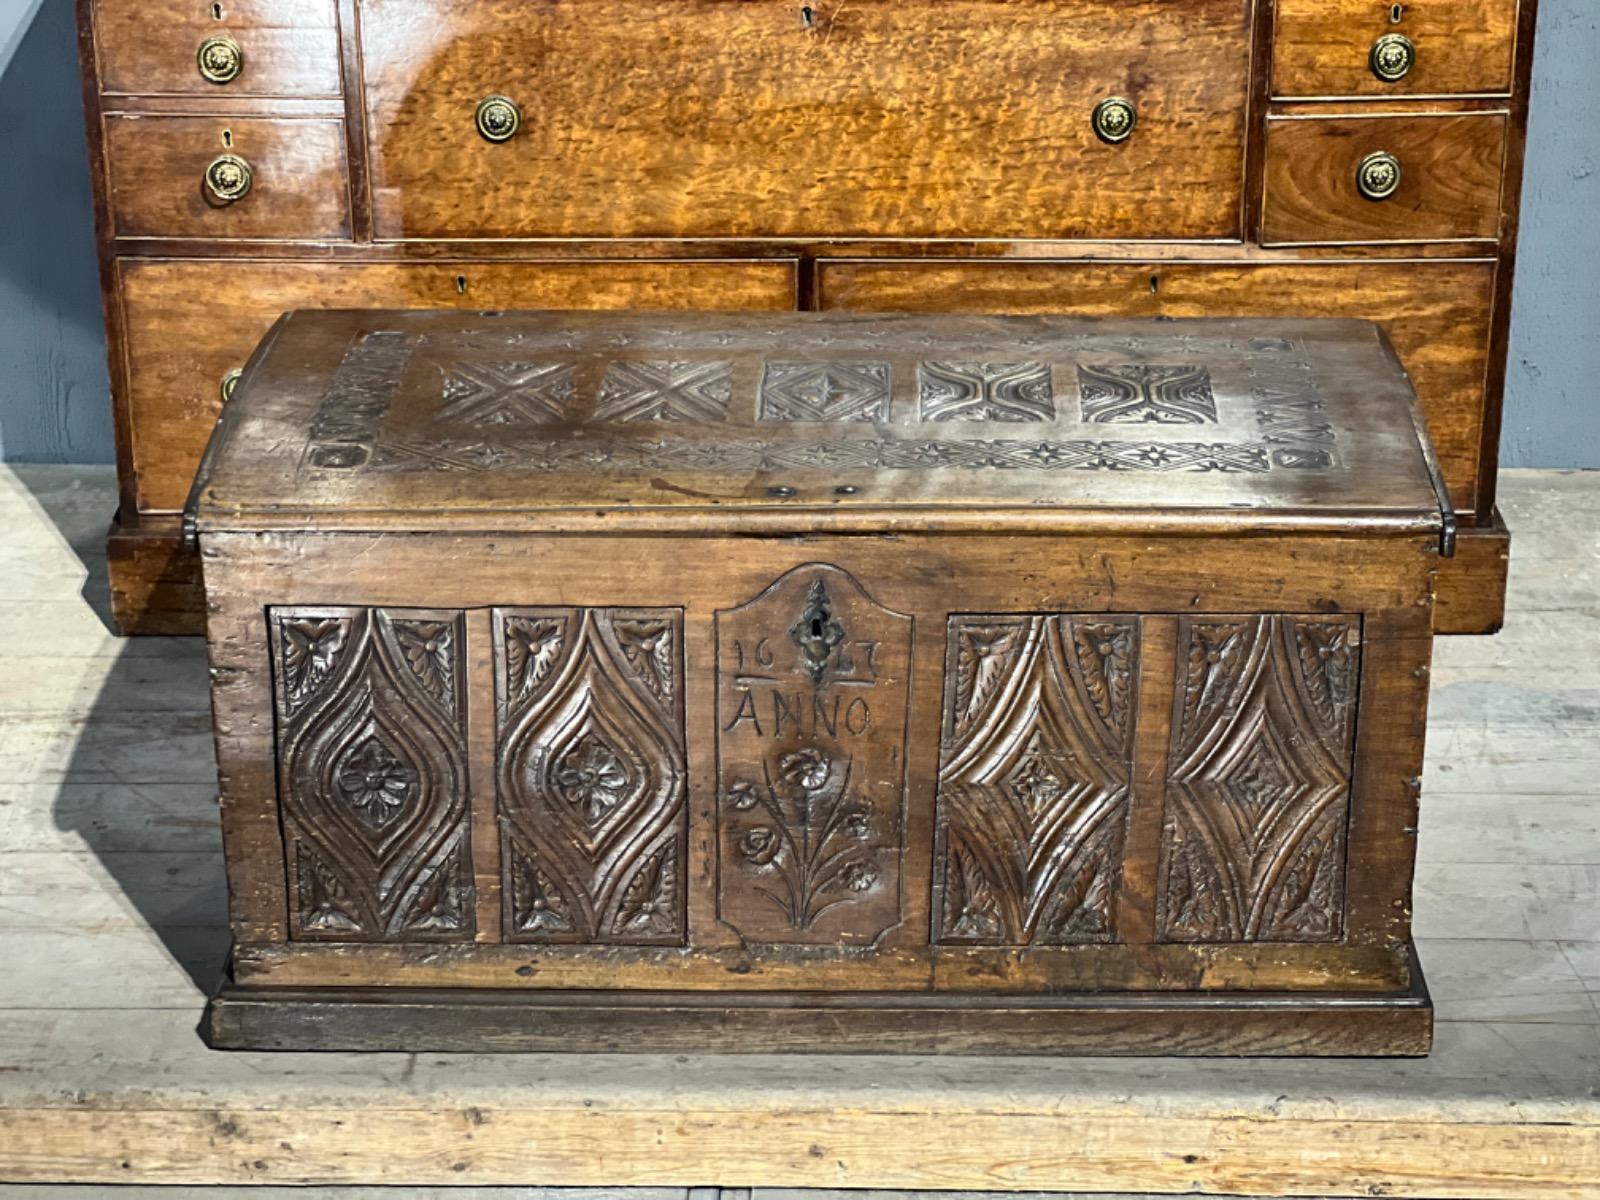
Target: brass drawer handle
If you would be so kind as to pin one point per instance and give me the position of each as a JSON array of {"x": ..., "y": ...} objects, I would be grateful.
[
  {"x": 498, "y": 118},
  {"x": 1114, "y": 118},
  {"x": 228, "y": 178},
  {"x": 220, "y": 59},
  {"x": 230, "y": 381},
  {"x": 1393, "y": 55},
  {"x": 1378, "y": 176}
]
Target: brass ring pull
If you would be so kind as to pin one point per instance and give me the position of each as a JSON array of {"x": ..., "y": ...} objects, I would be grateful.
[
  {"x": 498, "y": 118},
  {"x": 228, "y": 178},
  {"x": 1393, "y": 55},
  {"x": 230, "y": 381},
  {"x": 1114, "y": 119},
  {"x": 1378, "y": 176},
  {"x": 220, "y": 59}
]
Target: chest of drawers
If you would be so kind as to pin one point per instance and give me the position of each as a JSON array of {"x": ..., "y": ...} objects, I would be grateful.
[
  {"x": 821, "y": 682},
  {"x": 1343, "y": 158}
]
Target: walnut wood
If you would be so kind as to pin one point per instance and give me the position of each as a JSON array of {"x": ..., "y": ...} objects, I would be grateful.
[
  {"x": 780, "y": 735},
  {"x": 155, "y": 579},
  {"x": 1321, "y": 47},
  {"x": 1436, "y": 314},
  {"x": 158, "y": 164},
  {"x": 1450, "y": 186},
  {"x": 745, "y": 122},
  {"x": 148, "y": 47},
  {"x": 1470, "y": 589}
]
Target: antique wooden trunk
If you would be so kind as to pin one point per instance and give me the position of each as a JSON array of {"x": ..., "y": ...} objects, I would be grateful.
[
  {"x": 1229, "y": 158},
  {"x": 730, "y": 682}
]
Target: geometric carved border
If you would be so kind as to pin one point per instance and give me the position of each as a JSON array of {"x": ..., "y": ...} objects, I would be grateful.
[
  {"x": 1258, "y": 786},
  {"x": 591, "y": 775},
  {"x": 371, "y": 751},
  {"x": 1035, "y": 770}
]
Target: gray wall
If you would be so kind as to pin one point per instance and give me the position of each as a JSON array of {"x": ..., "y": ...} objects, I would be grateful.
[{"x": 53, "y": 390}]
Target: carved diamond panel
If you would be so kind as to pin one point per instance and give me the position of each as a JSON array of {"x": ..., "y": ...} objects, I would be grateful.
[
  {"x": 372, "y": 773},
  {"x": 591, "y": 777},
  {"x": 488, "y": 392},
  {"x": 984, "y": 391},
  {"x": 1258, "y": 789},
  {"x": 1035, "y": 768},
  {"x": 665, "y": 391},
  {"x": 1141, "y": 392},
  {"x": 827, "y": 391}
]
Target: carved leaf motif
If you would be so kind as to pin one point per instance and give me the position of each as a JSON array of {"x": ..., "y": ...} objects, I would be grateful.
[
  {"x": 537, "y": 904},
  {"x": 1082, "y": 914},
  {"x": 1104, "y": 653},
  {"x": 971, "y": 911},
  {"x": 430, "y": 654},
  {"x": 309, "y": 651},
  {"x": 1326, "y": 663},
  {"x": 325, "y": 903},
  {"x": 650, "y": 902},
  {"x": 1305, "y": 901},
  {"x": 1193, "y": 898},
  {"x": 1215, "y": 653},
  {"x": 981, "y": 653},
  {"x": 647, "y": 647},
  {"x": 533, "y": 644},
  {"x": 438, "y": 904}
]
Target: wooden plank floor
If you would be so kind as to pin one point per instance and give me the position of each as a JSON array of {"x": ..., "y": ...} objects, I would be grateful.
[{"x": 111, "y": 910}]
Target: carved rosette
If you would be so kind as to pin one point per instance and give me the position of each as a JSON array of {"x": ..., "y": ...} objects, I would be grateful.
[
  {"x": 813, "y": 678},
  {"x": 590, "y": 774},
  {"x": 373, "y": 778},
  {"x": 1035, "y": 766},
  {"x": 1258, "y": 791}
]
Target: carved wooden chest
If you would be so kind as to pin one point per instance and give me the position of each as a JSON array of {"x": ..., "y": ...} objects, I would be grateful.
[
  {"x": 826, "y": 682},
  {"x": 1226, "y": 158}
]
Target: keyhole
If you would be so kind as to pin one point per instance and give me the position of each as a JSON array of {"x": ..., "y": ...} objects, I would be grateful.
[
  {"x": 216, "y": 12},
  {"x": 461, "y": 285},
  {"x": 807, "y": 17},
  {"x": 1155, "y": 284},
  {"x": 227, "y": 139},
  {"x": 1396, "y": 12},
  {"x": 816, "y": 627}
]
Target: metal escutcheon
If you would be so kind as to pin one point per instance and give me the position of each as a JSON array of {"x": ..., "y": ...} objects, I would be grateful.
[
  {"x": 1114, "y": 118},
  {"x": 1392, "y": 57},
  {"x": 1378, "y": 176},
  {"x": 228, "y": 178},
  {"x": 498, "y": 118},
  {"x": 220, "y": 59}
]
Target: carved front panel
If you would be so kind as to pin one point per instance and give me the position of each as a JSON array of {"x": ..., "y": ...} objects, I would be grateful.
[
  {"x": 1258, "y": 791},
  {"x": 590, "y": 774},
  {"x": 372, "y": 773},
  {"x": 1035, "y": 762},
  {"x": 812, "y": 684}
]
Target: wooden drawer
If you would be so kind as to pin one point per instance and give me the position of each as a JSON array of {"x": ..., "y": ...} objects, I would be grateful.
[
  {"x": 157, "y": 164},
  {"x": 1435, "y": 312},
  {"x": 151, "y": 47},
  {"x": 184, "y": 333},
  {"x": 884, "y": 118},
  {"x": 1325, "y": 47},
  {"x": 1451, "y": 167}
]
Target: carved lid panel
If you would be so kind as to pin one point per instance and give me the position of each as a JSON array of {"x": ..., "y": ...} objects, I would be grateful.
[{"x": 805, "y": 421}]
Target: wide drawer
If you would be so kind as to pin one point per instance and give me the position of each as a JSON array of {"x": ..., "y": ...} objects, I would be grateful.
[
  {"x": 1437, "y": 313},
  {"x": 278, "y": 47},
  {"x": 1450, "y": 168},
  {"x": 1440, "y": 47},
  {"x": 702, "y": 118},
  {"x": 159, "y": 166},
  {"x": 188, "y": 323}
]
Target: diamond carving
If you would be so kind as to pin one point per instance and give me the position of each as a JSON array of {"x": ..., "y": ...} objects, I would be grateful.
[
  {"x": 985, "y": 391},
  {"x": 829, "y": 391},
  {"x": 665, "y": 391},
  {"x": 485, "y": 393},
  {"x": 1146, "y": 393}
]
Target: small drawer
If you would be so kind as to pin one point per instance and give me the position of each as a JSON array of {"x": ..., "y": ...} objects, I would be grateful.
[
  {"x": 251, "y": 47},
  {"x": 233, "y": 177},
  {"x": 1412, "y": 178},
  {"x": 1379, "y": 48}
]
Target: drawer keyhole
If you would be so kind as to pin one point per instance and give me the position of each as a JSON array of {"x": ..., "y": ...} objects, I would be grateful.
[
  {"x": 216, "y": 12},
  {"x": 461, "y": 285},
  {"x": 1397, "y": 13},
  {"x": 807, "y": 17},
  {"x": 227, "y": 139}
]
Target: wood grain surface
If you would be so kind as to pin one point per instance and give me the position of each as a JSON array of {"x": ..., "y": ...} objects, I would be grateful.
[
  {"x": 1320, "y": 47},
  {"x": 1449, "y": 187},
  {"x": 158, "y": 163},
  {"x": 184, "y": 334},
  {"x": 664, "y": 118},
  {"x": 1435, "y": 313},
  {"x": 148, "y": 47}
]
